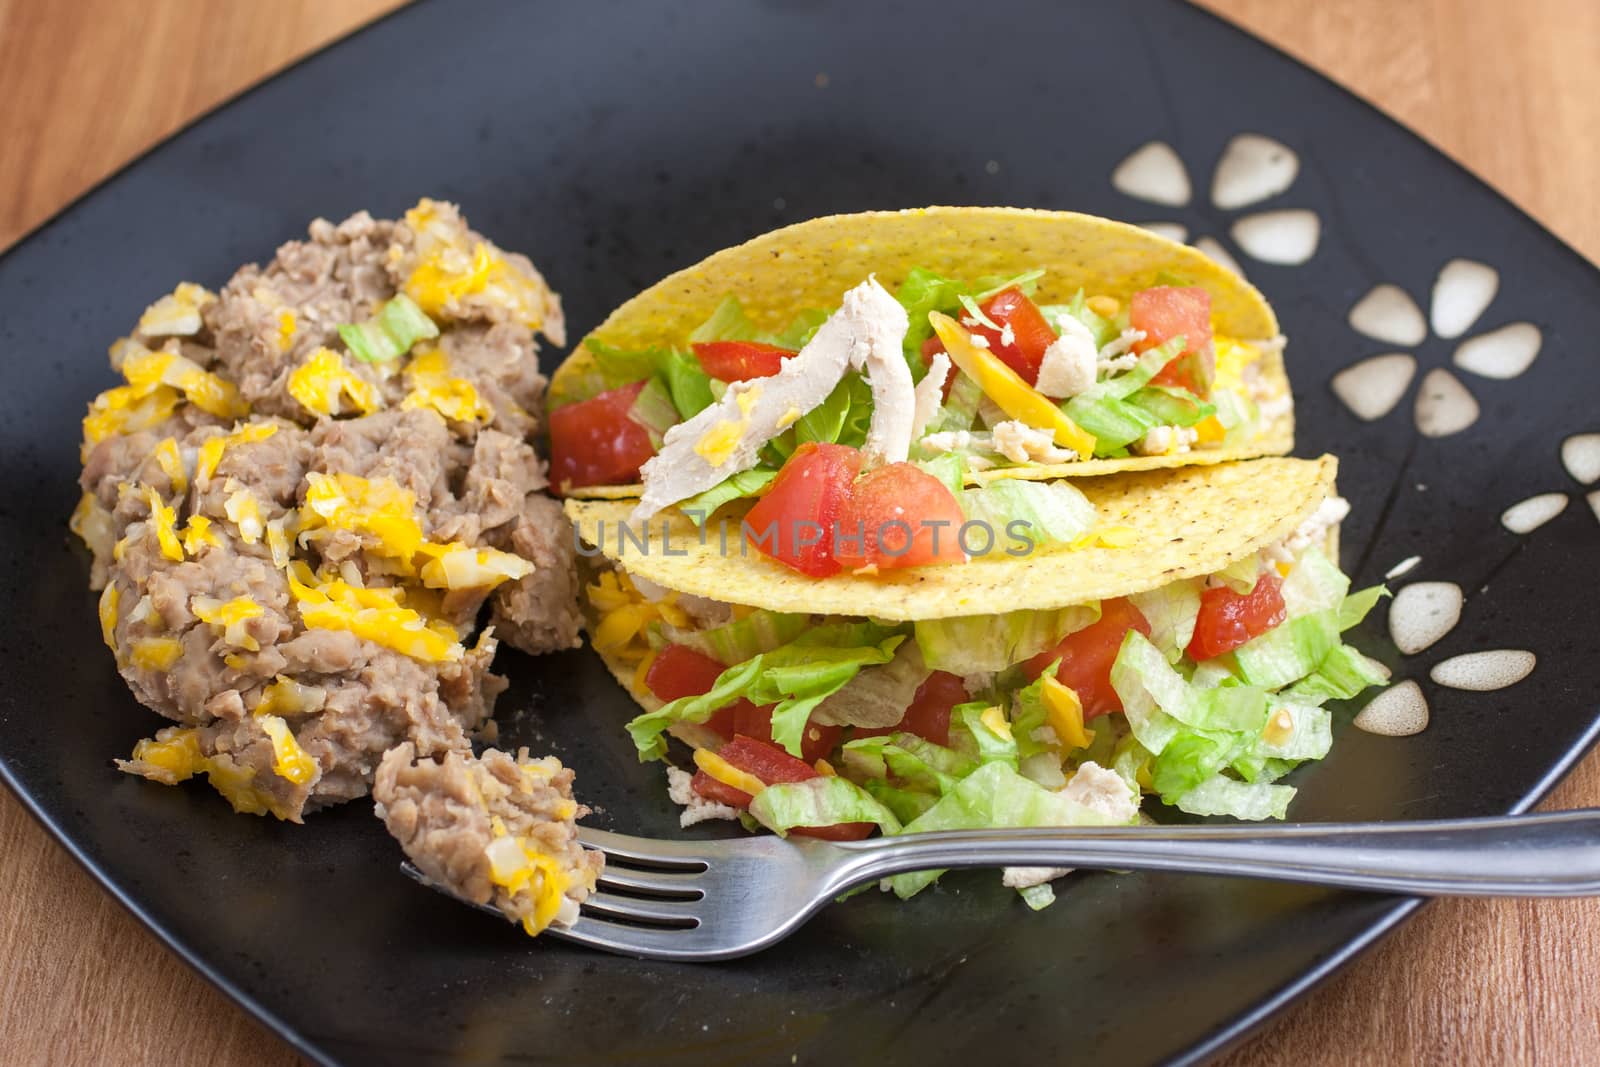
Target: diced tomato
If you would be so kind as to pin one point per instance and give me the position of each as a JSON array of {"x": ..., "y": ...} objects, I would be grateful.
[
  {"x": 1166, "y": 312},
  {"x": 816, "y": 741},
  {"x": 1087, "y": 655},
  {"x": 594, "y": 442},
  {"x": 680, "y": 671},
  {"x": 793, "y": 522},
  {"x": 899, "y": 515},
  {"x": 719, "y": 792},
  {"x": 929, "y": 714},
  {"x": 737, "y": 361},
  {"x": 772, "y": 765},
  {"x": 930, "y": 348},
  {"x": 1030, "y": 333},
  {"x": 843, "y": 831},
  {"x": 1228, "y": 619}
]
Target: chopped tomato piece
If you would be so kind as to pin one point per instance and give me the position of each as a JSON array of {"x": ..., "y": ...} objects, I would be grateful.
[
  {"x": 816, "y": 741},
  {"x": 1022, "y": 347},
  {"x": 594, "y": 442},
  {"x": 719, "y": 792},
  {"x": 772, "y": 765},
  {"x": 680, "y": 671},
  {"x": 1166, "y": 312},
  {"x": 1087, "y": 655},
  {"x": 737, "y": 361},
  {"x": 899, "y": 515},
  {"x": 843, "y": 831},
  {"x": 929, "y": 714},
  {"x": 793, "y": 522},
  {"x": 1228, "y": 619}
]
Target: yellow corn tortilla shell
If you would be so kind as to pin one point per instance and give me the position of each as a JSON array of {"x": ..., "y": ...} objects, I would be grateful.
[
  {"x": 1184, "y": 523},
  {"x": 811, "y": 265}
]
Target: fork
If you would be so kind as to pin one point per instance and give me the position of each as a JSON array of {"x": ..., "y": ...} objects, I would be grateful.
[{"x": 699, "y": 900}]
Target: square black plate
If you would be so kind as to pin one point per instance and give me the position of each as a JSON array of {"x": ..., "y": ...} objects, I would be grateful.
[{"x": 615, "y": 143}]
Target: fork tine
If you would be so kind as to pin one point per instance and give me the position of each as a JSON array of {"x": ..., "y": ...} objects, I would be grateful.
[
  {"x": 664, "y": 911},
  {"x": 646, "y": 849},
  {"x": 647, "y": 942},
  {"x": 648, "y": 881}
]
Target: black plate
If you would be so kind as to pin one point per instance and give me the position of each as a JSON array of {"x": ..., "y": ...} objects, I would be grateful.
[{"x": 615, "y": 144}]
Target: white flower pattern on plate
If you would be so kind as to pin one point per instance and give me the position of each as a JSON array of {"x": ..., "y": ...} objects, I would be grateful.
[
  {"x": 1253, "y": 168},
  {"x": 1462, "y": 292}
]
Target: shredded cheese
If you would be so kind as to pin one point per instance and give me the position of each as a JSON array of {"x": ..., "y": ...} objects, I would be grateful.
[
  {"x": 726, "y": 773},
  {"x": 323, "y": 384}
]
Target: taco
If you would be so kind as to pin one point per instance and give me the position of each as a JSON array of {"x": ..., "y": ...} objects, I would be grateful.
[
  {"x": 1165, "y": 633},
  {"x": 1028, "y": 344}
]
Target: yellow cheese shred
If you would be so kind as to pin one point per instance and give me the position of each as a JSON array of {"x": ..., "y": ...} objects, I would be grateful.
[
  {"x": 1064, "y": 713},
  {"x": 323, "y": 385},
  {"x": 726, "y": 773}
]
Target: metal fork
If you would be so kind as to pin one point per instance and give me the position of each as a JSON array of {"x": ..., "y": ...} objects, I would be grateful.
[{"x": 710, "y": 900}]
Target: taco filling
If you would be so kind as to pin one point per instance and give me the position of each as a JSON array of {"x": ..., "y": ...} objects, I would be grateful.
[
  {"x": 1203, "y": 692},
  {"x": 979, "y": 371},
  {"x": 1028, "y": 344}
]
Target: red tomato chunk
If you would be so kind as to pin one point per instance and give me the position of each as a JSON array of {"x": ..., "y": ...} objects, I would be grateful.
[
  {"x": 1228, "y": 619},
  {"x": 1166, "y": 312},
  {"x": 772, "y": 765},
  {"x": 737, "y": 361},
  {"x": 1087, "y": 655},
  {"x": 929, "y": 714},
  {"x": 899, "y": 515},
  {"x": 792, "y": 523},
  {"x": 594, "y": 442},
  {"x": 1022, "y": 347}
]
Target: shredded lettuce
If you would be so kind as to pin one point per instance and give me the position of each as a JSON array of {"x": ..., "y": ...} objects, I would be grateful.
[
  {"x": 923, "y": 292},
  {"x": 822, "y": 801},
  {"x": 794, "y": 678},
  {"x": 843, "y": 418},
  {"x": 976, "y": 644},
  {"x": 1171, "y": 612},
  {"x": 914, "y": 762},
  {"x": 653, "y": 409},
  {"x": 972, "y": 736},
  {"x": 1290, "y": 651},
  {"x": 689, "y": 386},
  {"x": 1104, "y": 409},
  {"x": 742, "y": 639},
  {"x": 1219, "y": 795},
  {"x": 961, "y": 409},
  {"x": 1342, "y": 674},
  {"x": 1022, "y": 515},
  {"x": 994, "y": 795},
  {"x": 727, "y": 323},
  {"x": 737, "y": 486},
  {"x": 398, "y": 325},
  {"x": 1171, "y": 406},
  {"x": 950, "y": 468}
]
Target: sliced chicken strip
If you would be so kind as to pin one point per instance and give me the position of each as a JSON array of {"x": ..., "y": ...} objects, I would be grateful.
[
  {"x": 930, "y": 394},
  {"x": 894, "y": 396},
  {"x": 726, "y": 437}
]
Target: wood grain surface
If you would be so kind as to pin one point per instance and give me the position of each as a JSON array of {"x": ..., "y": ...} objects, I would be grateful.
[{"x": 1511, "y": 90}]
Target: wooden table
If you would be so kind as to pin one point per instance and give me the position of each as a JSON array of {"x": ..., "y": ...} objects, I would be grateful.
[{"x": 1511, "y": 90}]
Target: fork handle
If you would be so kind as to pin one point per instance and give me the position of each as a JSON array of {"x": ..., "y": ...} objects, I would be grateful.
[{"x": 1554, "y": 855}]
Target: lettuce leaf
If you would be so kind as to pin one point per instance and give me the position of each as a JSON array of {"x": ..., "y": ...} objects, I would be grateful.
[
  {"x": 821, "y": 801},
  {"x": 1048, "y": 513},
  {"x": 977, "y": 644},
  {"x": 994, "y": 795},
  {"x": 794, "y": 678}
]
